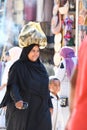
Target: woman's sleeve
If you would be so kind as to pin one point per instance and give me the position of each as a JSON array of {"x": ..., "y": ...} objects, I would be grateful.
[
  {"x": 50, "y": 102},
  {"x": 12, "y": 84},
  {"x": 14, "y": 93}
]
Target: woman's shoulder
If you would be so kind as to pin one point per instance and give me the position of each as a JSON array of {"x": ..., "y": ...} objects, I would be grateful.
[{"x": 16, "y": 64}]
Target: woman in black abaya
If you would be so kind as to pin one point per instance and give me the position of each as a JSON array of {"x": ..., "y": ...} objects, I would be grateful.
[{"x": 28, "y": 82}]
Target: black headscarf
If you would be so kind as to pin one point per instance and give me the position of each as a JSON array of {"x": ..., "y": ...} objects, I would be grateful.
[
  {"x": 36, "y": 65},
  {"x": 25, "y": 52}
]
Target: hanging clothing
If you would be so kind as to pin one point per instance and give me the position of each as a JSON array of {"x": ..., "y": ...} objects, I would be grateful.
[
  {"x": 28, "y": 81},
  {"x": 29, "y": 10},
  {"x": 44, "y": 10}
]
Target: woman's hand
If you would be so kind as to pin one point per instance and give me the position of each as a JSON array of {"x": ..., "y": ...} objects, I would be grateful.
[
  {"x": 51, "y": 110},
  {"x": 19, "y": 104},
  {"x": 1, "y": 87}
]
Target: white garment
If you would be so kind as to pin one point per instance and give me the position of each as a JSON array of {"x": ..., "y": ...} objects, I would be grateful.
[
  {"x": 64, "y": 80},
  {"x": 57, "y": 117},
  {"x": 5, "y": 78},
  {"x": 40, "y": 15},
  {"x": 1, "y": 70},
  {"x": 5, "y": 72},
  {"x": 44, "y": 10},
  {"x": 61, "y": 74}
]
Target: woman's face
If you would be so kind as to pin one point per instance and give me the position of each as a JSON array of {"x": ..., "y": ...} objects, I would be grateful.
[{"x": 33, "y": 55}]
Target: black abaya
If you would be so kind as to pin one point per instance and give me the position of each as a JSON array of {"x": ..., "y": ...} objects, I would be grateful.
[{"x": 28, "y": 81}]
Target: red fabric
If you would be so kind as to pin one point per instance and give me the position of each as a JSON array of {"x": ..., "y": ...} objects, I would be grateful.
[
  {"x": 78, "y": 119},
  {"x": 29, "y": 10}
]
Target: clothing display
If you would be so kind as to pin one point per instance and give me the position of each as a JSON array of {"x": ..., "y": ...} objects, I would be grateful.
[
  {"x": 29, "y": 10},
  {"x": 44, "y": 10}
]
